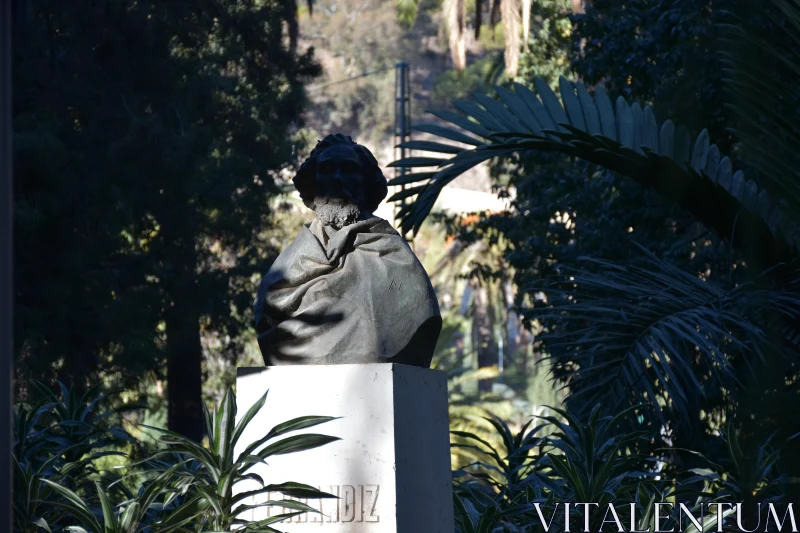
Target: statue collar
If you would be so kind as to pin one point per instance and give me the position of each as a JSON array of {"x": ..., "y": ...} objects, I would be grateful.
[{"x": 333, "y": 240}]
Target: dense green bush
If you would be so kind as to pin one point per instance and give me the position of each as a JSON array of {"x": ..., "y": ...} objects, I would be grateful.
[
  {"x": 180, "y": 486},
  {"x": 599, "y": 459}
]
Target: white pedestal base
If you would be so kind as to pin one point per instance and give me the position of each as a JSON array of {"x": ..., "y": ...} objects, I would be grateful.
[{"x": 391, "y": 470}]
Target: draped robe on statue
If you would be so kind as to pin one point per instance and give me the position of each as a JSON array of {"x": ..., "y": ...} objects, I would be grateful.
[{"x": 354, "y": 295}]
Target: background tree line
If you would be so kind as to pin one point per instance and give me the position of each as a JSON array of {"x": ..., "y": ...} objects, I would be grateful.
[{"x": 148, "y": 136}]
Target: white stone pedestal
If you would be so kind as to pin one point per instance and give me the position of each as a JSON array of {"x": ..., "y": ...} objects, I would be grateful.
[{"x": 391, "y": 470}]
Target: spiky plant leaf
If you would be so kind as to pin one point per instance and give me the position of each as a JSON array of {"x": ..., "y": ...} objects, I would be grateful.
[
  {"x": 651, "y": 333},
  {"x": 760, "y": 78},
  {"x": 683, "y": 170}
]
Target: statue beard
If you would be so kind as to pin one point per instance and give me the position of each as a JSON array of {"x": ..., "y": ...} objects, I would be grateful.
[{"x": 336, "y": 212}]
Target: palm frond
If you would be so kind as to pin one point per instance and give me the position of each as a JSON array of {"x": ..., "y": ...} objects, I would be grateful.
[
  {"x": 655, "y": 334},
  {"x": 622, "y": 137},
  {"x": 761, "y": 66}
]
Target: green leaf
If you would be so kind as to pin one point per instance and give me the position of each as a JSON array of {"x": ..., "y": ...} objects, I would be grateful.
[
  {"x": 448, "y": 133},
  {"x": 288, "y": 504},
  {"x": 75, "y": 506},
  {"x": 667, "y": 139},
  {"x": 749, "y": 192},
  {"x": 303, "y": 422},
  {"x": 418, "y": 162},
  {"x": 296, "y": 443},
  {"x": 711, "y": 162},
  {"x": 412, "y": 178},
  {"x": 42, "y": 523},
  {"x": 129, "y": 522},
  {"x": 523, "y": 112},
  {"x": 635, "y": 156},
  {"x": 212, "y": 498},
  {"x": 248, "y": 417},
  {"x": 606, "y": 113},
  {"x": 406, "y": 193},
  {"x": 208, "y": 421},
  {"x": 463, "y": 122},
  {"x": 638, "y": 127},
  {"x": 590, "y": 112},
  {"x": 571, "y": 103},
  {"x": 109, "y": 514},
  {"x": 499, "y": 112},
  {"x": 625, "y": 123},
  {"x": 298, "y": 490},
  {"x": 485, "y": 122},
  {"x": 273, "y": 519},
  {"x": 187, "y": 512},
  {"x": 650, "y": 129},
  {"x": 283, "y": 428},
  {"x": 700, "y": 148},
  {"x": 430, "y": 146},
  {"x": 533, "y": 103},
  {"x": 551, "y": 103}
]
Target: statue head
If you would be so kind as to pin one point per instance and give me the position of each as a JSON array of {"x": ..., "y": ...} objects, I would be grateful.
[{"x": 340, "y": 181}]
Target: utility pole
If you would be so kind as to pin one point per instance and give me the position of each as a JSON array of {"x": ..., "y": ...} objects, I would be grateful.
[{"x": 402, "y": 123}]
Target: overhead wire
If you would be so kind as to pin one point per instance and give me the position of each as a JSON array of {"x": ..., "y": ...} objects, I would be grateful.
[{"x": 364, "y": 75}]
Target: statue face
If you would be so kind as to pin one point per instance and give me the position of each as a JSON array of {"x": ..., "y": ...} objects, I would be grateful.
[{"x": 339, "y": 175}]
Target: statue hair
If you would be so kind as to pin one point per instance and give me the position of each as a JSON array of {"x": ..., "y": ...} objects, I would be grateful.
[{"x": 374, "y": 181}]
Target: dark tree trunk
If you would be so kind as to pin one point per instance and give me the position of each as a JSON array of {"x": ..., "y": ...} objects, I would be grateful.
[
  {"x": 494, "y": 16},
  {"x": 184, "y": 351},
  {"x": 293, "y": 23},
  {"x": 478, "y": 18},
  {"x": 184, "y": 380}
]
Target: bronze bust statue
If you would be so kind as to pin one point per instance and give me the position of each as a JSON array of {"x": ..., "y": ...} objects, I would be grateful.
[{"x": 348, "y": 289}]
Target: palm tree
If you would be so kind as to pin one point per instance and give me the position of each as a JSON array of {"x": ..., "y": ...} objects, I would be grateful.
[
  {"x": 656, "y": 330},
  {"x": 514, "y": 14}
]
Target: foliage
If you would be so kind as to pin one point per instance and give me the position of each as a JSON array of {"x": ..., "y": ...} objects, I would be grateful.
[
  {"x": 624, "y": 138},
  {"x": 524, "y": 482},
  {"x": 630, "y": 141},
  {"x": 131, "y": 517},
  {"x": 583, "y": 460},
  {"x": 760, "y": 64},
  {"x": 662, "y": 53},
  {"x": 455, "y": 85},
  {"x": 185, "y": 486},
  {"x": 484, "y": 347},
  {"x": 546, "y": 51},
  {"x": 147, "y": 138},
  {"x": 659, "y": 335},
  {"x": 694, "y": 331},
  {"x": 214, "y": 472},
  {"x": 59, "y": 439}
]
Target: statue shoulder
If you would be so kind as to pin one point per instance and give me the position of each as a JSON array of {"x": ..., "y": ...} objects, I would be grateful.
[{"x": 380, "y": 225}]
